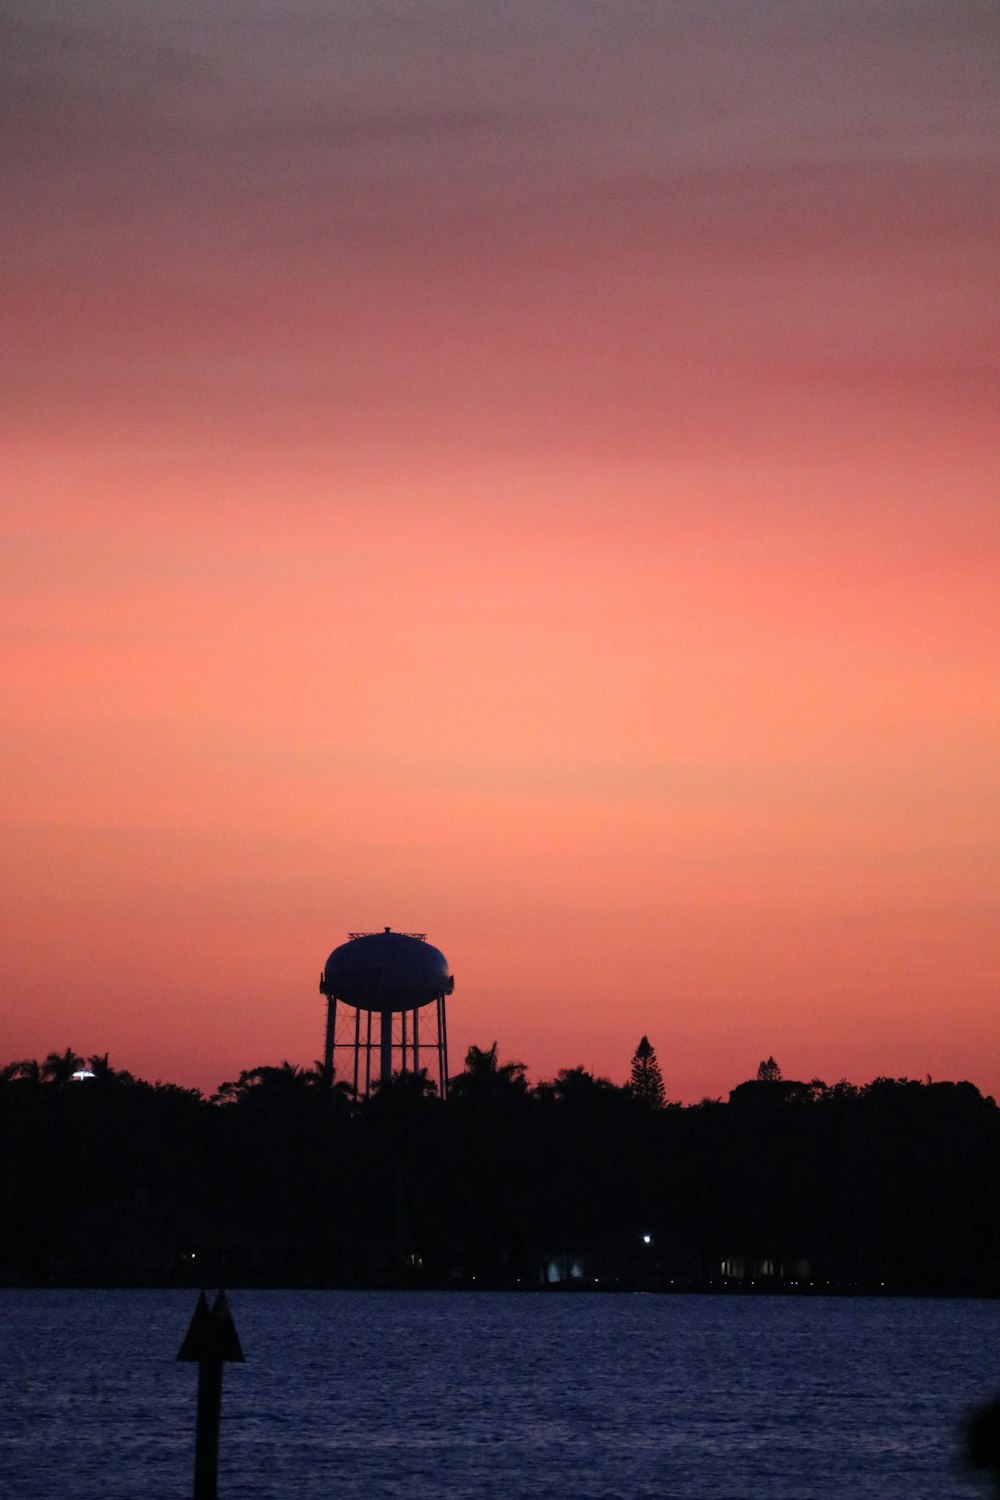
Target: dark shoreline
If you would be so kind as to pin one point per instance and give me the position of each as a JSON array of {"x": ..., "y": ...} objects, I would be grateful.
[{"x": 791, "y": 1188}]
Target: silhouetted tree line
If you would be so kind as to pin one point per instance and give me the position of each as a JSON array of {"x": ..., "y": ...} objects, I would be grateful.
[{"x": 278, "y": 1180}]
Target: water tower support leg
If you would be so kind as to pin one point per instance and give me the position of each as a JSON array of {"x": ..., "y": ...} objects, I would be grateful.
[
  {"x": 331, "y": 1026},
  {"x": 368, "y": 1057},
  {"x": 443, "y": 1035},
  {"x": 385, "y": 1069},
  {"x": 416, "y": 1041},
  {"x": 357, "y": 1048}
]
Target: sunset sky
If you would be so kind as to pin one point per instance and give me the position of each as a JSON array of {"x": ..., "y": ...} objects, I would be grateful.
[{"x": 519, "y": 470}]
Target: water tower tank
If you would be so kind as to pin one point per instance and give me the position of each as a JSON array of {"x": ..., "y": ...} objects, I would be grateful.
[{"x": 387, "y": 971}]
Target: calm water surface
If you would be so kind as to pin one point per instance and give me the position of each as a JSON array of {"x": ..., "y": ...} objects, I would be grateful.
[{"x": 383, "y": 1395}]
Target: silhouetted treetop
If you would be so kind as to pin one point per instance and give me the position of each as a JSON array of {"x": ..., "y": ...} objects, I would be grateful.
[
  {"x": 486, "y": 1080},
  {"x": 59, "y": 1067},
  {"x": 646, "y": 1080}
]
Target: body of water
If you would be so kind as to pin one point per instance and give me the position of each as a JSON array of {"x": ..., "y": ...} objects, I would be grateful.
[{"x": 450, "y": 1396}]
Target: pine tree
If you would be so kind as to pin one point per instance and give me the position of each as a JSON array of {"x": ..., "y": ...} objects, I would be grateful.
[
  {"x": 769, "y": 1072},
  {"x": 647, "y": 1080}
]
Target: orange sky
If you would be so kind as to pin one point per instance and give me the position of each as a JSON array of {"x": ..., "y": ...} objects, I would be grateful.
[{"x": 522, "y": 473}]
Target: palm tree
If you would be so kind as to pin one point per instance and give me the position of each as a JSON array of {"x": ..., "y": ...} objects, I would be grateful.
[
  {"x": 577, "y": 1085},
  {"x": 405, "y": 1088},
  {"x": 487, "y": 1080},
  {"x": 481, "y": 1060},
  {"x": 287, "y": 1078},
  {"x": 268, "y": 1083},
  {"x": 59, "y": 1067}
]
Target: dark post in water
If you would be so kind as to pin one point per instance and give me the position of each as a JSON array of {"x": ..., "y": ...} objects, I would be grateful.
[{"x": 211, "y": 1341}]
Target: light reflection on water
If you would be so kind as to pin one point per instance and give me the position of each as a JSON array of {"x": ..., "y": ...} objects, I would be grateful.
[{"x": 385, "y": 1395}]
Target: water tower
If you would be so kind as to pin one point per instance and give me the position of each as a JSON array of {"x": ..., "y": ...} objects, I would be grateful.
[{"x": 386, "y": 978}]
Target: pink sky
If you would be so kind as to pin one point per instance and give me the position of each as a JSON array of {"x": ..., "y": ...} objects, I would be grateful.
[{"x": 522, "y": 473}]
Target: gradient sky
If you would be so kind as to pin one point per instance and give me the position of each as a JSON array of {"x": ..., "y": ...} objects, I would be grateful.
[{"x": 519, "y": 470}]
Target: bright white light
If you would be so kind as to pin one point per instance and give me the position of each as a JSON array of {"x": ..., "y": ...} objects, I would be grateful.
[{"x": 647, "y": 1239}]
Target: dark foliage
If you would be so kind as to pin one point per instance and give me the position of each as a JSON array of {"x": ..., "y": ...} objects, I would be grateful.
[
  {"x": 278, "y": 1180},
  {"x": 647, "y": 1080}
]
